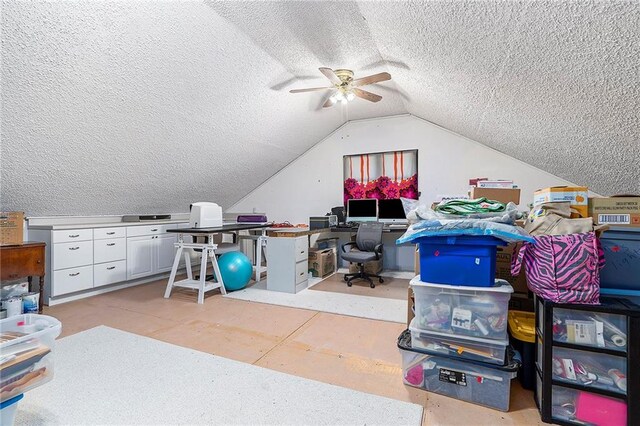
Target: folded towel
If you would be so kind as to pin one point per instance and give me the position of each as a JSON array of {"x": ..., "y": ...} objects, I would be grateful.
[{"x": 465, "y": 207}]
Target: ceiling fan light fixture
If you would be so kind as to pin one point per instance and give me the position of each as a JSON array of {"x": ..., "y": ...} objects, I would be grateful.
[{"x": 350, "y": 96}]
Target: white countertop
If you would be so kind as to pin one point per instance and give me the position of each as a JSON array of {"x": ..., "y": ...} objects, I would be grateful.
[{"x": 106, "y": 224}]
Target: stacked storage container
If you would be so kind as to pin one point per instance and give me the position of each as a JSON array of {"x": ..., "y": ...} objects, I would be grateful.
[
  {"x": 26, "y": 358},
  {"x": 457, "y": 344}
]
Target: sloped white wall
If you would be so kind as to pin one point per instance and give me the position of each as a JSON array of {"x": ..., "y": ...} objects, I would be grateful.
[{"x": 312, "y": 183}]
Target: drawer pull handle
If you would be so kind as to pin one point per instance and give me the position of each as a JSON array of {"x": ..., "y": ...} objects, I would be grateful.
[
  {"x": 111, "y": 233},
  {"x": 74, "y": 274},
  {"x": 154, "y": 229},
  {"x": 111, "y": 244},
  {"x": 110, "y": 268},
  {"x": 74, "y": 236},
  {"x": 74, "y": 248}
]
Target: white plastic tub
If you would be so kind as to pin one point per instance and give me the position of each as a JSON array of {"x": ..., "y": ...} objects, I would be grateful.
[
  {"x": 464, "y": 347},
  {"x": 8, "y": 410},
  {"x": 26, "y": 353},
  {"x": 461, "y": 310},
  {"x": 482, "y": 384}
]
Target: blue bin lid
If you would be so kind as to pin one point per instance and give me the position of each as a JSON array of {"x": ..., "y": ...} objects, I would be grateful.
[
  {"x": 467, "y": 240},
  {"x": 11, "y": 401}
]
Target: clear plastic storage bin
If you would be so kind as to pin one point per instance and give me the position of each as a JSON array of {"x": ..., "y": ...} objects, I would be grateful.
[
  {"x": 591, "y": 329},
  {"x": 591, "y": 369},
  {"x": 464, "y": 347},
  {"x": 469, "y": 381},
  {"x": 586, "y": 408},
  {"x": 461, "y": 310},
  {"x": 26, "y": 353}
]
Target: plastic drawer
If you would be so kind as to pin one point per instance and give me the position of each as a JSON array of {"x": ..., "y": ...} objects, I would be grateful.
[
  {"x": 471, "y": 348},
  {"x": 591, "y": 369},
  {"x": 468, "y": 311},
  {"x": 469, "y": 381},
  {"x": 582, "y": 408},
  {"x": 590, "y": 329},
  {"x": 26, "y": 353}
]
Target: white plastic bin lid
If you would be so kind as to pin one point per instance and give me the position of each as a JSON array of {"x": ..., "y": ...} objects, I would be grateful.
[
  {"x": 500, "y": 286},
  {"x": 457, "y": 337}
]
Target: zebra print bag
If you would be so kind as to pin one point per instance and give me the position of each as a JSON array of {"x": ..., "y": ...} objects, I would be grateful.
[{"x": 562, "y": 268}]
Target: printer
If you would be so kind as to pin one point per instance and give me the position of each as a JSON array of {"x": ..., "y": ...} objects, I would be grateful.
[{"x": 205, "y": 215}]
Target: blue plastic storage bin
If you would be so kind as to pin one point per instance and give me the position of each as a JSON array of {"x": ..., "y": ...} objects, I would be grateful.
[
  {"x": 460, "y": 260},
  {"x": 621, "y": 272}
]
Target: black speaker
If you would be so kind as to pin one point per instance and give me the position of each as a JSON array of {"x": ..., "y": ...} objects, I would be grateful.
[{"x": 339, "y": 212}]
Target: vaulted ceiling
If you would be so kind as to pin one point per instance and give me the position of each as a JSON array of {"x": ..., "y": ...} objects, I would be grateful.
[{"x": 140, "y": 106}]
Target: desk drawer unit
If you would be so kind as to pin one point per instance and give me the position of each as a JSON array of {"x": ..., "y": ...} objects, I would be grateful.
[
  {"x": 138, "y": 231},
  {"x": 109, "y": 250},
  {"x": 109, "y": 273},
  {"x": 302, "y": 248},
  {"x": 72, "y": 279},
  {"x": 68, "y": 255},
  {"x": 109, "y": 233},
  {"x": 302, "y": 271},
  {"x": 66, "y": 236}
]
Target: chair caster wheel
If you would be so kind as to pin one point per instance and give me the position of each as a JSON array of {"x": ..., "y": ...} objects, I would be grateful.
[
  {"x": 345, "y": 279},
  {"x": 349, "y": 284},
  {"x": 372, "y": 285},
  {"x": 380, "y": 280}
]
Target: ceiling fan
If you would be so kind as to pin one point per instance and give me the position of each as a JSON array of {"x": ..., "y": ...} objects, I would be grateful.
[{"x": 345, "y": 88}]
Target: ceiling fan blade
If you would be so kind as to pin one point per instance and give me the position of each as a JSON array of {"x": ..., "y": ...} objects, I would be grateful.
[
  {"x": 375, "y": 78},
  {"x": 329, "y": 102},
  {"x": 371, "y": 97},
  {"x": 311, "y": 89},
  {"x": 328, "y": 72}
]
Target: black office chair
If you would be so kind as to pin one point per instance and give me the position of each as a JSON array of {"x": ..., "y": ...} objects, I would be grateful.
[{"x": 369, "y": 244}]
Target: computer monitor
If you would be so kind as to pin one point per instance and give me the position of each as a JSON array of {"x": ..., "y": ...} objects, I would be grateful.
[
  {"x": 391, "y": 211},
  {"x": 363, "y": 210}
]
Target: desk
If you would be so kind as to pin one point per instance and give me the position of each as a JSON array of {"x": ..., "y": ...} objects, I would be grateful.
[
  {"x": 24, "y": 260},
  {"x": 208, "y": 251},
  {"x": 386, "y": 229}
]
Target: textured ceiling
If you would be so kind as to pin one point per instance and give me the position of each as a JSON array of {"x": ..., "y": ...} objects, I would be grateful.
[{"x": 146, "y": 106}]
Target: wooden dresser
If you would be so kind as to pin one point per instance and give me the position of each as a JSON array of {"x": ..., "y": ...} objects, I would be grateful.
[{"x": 24, "y": 260}]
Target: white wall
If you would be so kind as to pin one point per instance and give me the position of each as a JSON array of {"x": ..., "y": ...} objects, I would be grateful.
[{"x": 312, "y": 183}]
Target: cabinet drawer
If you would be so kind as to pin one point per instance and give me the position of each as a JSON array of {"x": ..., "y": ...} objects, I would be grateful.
[
  {"x": 104, "y": 233},
  {"x": 69, "y": 255},
  {"x": 109, "y": 273},
  {"x": 137, "y": 231},
  {"x": 109, "y": 250},
  {"x": 301, "y": 271},
  {"x": 71, "y": 280},
  {"x": 71, "y": 235},
  {"x": 302, "y": 248}
]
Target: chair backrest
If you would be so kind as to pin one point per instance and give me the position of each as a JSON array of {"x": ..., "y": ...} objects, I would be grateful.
[{"x": 369, "y": 235}]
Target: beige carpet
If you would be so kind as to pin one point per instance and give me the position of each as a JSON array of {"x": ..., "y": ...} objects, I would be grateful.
[{"x": 392, "y": 288}]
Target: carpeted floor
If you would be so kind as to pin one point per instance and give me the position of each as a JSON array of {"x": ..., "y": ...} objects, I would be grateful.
[
  {"x": 392, "y": 288},
  {"x": 107, "y": 376}
]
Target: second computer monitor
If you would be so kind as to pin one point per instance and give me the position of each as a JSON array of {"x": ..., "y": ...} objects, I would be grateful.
[
  {"x": 391, "y": 211},
  {"x": 363, "y": 210}
]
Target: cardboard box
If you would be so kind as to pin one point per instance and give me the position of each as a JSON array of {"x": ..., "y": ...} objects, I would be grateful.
[
  {"x": 577, "y": 195},
  {"x": 619, "y": 210},
  {"x": 11, "y": 228},
  {"x": 373, "y": 267},
  {"x": 321, "y": 262},
  {"x": 503, "y": 269},
  {"x": 504, "y": 195}
]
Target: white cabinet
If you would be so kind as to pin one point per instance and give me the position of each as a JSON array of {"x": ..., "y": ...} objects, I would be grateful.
[
  {"x": 287, "y": 260},
  {"x": 150, "y": 254},
  {"x": 140, "y": 254},
  {"x": 91, "y": 257},
  {"x": 165, "y": 252}
]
